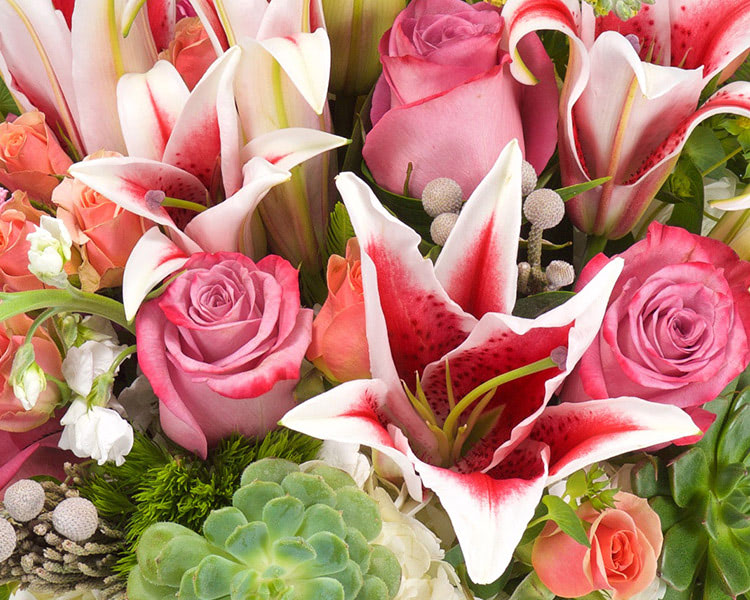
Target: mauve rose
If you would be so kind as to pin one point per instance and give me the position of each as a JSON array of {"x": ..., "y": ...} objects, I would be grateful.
[
  {"x": 105, "y": 232},
  {"x": 13, "y": 416},
  {"x": 625, "y": 544},
  {"x": 339, "y": 344},
  {"x": 17, "y": 220},
  {"x": 676, "y": 328},
  {"x": 29, "y": 155},
  {"x": 222, "y": 347},
  {"x": 447, "y": 103},
  {"x": 191, "y": 51}
]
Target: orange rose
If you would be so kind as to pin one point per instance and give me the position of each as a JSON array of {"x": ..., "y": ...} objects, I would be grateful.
[
  {"x": 30, "y": 155},
  {"x": 339, "y": 344},
  {"x": 17, "y": 220},
  {"x": 625, "y": 545},
  {"x": 13, "y": 416},
  {"x": 191, "y": 51},
  {"x": 105, "y": 232}
]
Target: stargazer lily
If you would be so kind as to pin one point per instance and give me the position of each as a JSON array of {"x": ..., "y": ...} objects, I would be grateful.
[
  {"x": 460, "y": 393},
  {"x": 631, "y": 93}
]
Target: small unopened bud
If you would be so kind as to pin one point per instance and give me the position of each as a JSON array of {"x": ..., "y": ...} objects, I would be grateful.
[
  {"x": 24, "y": 500},
  {"x": 544, "y": 208},
  {"x": 528, "y": 178},
  {"x": 49, "y": 250},
  {"x": 27, "y": 377},
  {"x": 442, "y": 195},
  {"x": 559, "y": 274},
  {"x": 76, "y": 519},
  {"x": 7, "y": 540},
  {"x": 442, "y": 226}
]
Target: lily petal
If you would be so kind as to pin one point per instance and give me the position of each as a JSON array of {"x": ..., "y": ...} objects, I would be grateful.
[
  {"x": 219, "y": 228},
  {"x": 477, "y": 266},
  {"x": 488, "y": 514},
  {"x": 582, "y": 433},
  {"x": 149, "y": 105},
  {"x": 286, "y": 148},
  {"x": 287, "y": 17},
  {"x": 353, "y": 412},
  {"x": 206, "y": 12},
  {"x": 152, "y": 259},
  {"x": 243, "y": 18}
]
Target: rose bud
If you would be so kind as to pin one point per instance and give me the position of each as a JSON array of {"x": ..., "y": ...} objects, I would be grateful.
[{"x": 191, "y": 51}]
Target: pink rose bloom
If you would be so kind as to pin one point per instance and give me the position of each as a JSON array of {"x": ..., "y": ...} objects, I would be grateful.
[
  {"x": 676, "y": 328},
  {"x": 13, "y": 416},
  {"x": 17, "y": 219},
  {"x": 105, "y": 232},
  {"x": 339, "y": 343},
  {"x": 447, "y": 103},
  {"x": 625, "y": 545},
  {"x": 191, "y": 51},
  {"x": 29, "y": 154},
  {"x": 222, "y": 347}
]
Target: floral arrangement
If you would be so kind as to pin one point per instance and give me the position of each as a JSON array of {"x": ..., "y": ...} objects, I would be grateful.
[{"x": 374, "y": 299}]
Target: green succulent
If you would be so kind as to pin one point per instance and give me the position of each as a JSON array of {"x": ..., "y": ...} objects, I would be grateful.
[
  {"x": 703, "y": 500},
  {"x": 289, "y": 535}
]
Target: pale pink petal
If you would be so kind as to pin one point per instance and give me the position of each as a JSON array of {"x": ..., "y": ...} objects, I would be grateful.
[
  {"x": 95, "y": 73},
  {"x": 162, "y": 15},
  {"x": 569, "y": 579},
  {"x": 206, "y": 12},
  {"x": 287, "y": 17},
  {"x": 243, "y": 17},
  {"x": 477, "y": 266},
  {"x": 353, "y": 412},
  {"x": 149, "y": 105},
  {"x": 582, "y": 433},
  {"x": 220, "y": 228},
  {"x": 286, "y": 148},
  {"x": 153, "y": 259}
]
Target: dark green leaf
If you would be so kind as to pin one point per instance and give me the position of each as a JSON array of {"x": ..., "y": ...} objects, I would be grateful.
[
  {"x": 687, "y": 185},
  {"x": 673, "y": 594},
  {"x": 533, "y": 306},
  {"x": 730, "y": 564},
  {"x": 669, "y": 513},
  {"x": 7, "y": 105},
  {"x": 684, "y": 546},
  {"x": 727, "y": 479},
  {"x": 572, "y": 191},
  {"x": 689, "y": 476},
  {"x": 704, "y": 149},
  {"x": 734, "y": 441},
  {"x": 340, "y": 230},
  {"x": 649, "y": 478},
  {"x": 531, "y": 588},
  {"x": 561, "y": 513}
]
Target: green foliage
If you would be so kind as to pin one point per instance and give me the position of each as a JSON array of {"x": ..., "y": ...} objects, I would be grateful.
[
  {"x": 591, "y": 486},
  {"x": 7, "y": 104},
  {"x": 563, "y": 514},
  {"x": 155, "y": 485},
  {"x": 703, "y": 500},
  {"x": 340, "y": 230},
  {"x": 532, "y": 306},
  {"x": 287, "y": 534}
]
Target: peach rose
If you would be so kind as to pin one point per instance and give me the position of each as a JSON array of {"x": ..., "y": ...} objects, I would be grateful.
[
  {"x": 625, "y": 545},
  {"x": 105, "y": 232},
  {"x": 191, "y": 51},
  {"x": 339, "y": 345},
  {"x": 13, "y": 417},
  {"x": 17, "y": 219},
  {"x": 30, "y": 155}
]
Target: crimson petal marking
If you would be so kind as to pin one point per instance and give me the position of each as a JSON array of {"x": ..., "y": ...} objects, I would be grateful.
[
  {"x": 477, "y": 266},
  {"x": 161, "y": 17},
  {"x": 206, "y": 12},
  {"x": 219, "y": 228},
  {"x": 353, "y": 412},
  {"x": 125, "y": 182},
  {"x": 411, "y": 321},
  {"x": 581, "y": 433},
  {"x": 149, "y": 105},
  {"x": 206, "y": 122},
  {"x": 488, "y": 515},
  {"x": 153, "y": 258}
]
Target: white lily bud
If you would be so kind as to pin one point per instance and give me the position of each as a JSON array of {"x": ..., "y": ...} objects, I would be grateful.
[
  {"x": 27, "y": 377},
  {"x": 98, "y": 433},
  {"x": 49, "y": 250},
  {"x": 544, "y": 208}
]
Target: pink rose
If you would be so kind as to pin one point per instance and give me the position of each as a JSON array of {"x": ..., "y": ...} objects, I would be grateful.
[
  {"x": 105, "y": 232},
  {"x": 676, "y": 328},
  {"x": 339, "y": 344},
  {"x": 17, "y": 219},
  {"x": 29, "y": 155},
  {"x": 625, "y": 544},
  {"x": 447, "y": 103},
  {"x": 191, "y": 51},
  {"x": 13, "y": 416},
  {"x": 222, "y": 347}
]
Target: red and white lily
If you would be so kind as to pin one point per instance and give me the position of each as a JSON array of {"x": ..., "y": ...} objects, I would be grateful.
[
  {"x": 631, "y": 93},
  {"x": 460, "y": 393}
]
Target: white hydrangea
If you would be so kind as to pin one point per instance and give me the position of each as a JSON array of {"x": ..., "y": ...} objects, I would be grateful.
[
  {"x": 49, "y": 250},
  {"x": 97, "y": 432}
]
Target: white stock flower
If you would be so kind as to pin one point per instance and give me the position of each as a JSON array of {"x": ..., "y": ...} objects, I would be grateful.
[
  {"x": 49, "y": 250},
  {"x": 84, "y": 363},
  {"x": 96, "y": 432}
]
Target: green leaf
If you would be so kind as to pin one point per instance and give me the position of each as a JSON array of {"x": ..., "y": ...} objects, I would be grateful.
[
  {"x": 687, "y": 184},
  {"x": 669, "y": 513},
  {"x": 7, "y": 105},
  {"x": 533, "y": 306},
  {"x": 531, "y": 588},
  {"x": 673, "y": 594},
  {"x": 340, "y": 230},
  {"x": 730, "y": 564},
  {"x": 684, "y": 546},
  {"x": 571, "y": 191},
  {"x": 727, "y": 479},
  {"x": 566, "y": 518},
  {"x": 649, "y": 478},
  {"x": 704, "y": 149},
  {"x": 734, "y": 441},
  {"x": 689, "y": 476}
]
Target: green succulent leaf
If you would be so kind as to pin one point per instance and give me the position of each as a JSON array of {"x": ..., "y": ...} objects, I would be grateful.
[
  {"x": 684, "y": 547},
  {"x": 531, "y": 588},
  {"x": 689, "y": 476},
  {"x": 249, "y": 543},
  {"x": 213, "y": 577},
  {"x": 730, "y": 564},
  {"x": 268, "y": 469},
  {"x": 336, "y": 478},
  {"x": 322, "y": 588},
  {"x": 373, "y": 588},
  {"x": 734, "y": 441},
  {"x": 359, "y": 511},
  {"x": 649, "y": 478},
  {"x": 384, "y": 565},
  {"x": 351, "y": 579},
  {"x": 310, "y": 489},
  {"x": 283, "y": 516},
  {"x": 220, "y": 524},
  {"x": 251, "y": 498},
  {"x": 321, "y": 517},
  {"x": 669, "y": 513},
  {"x": 727, "y": 479}
]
